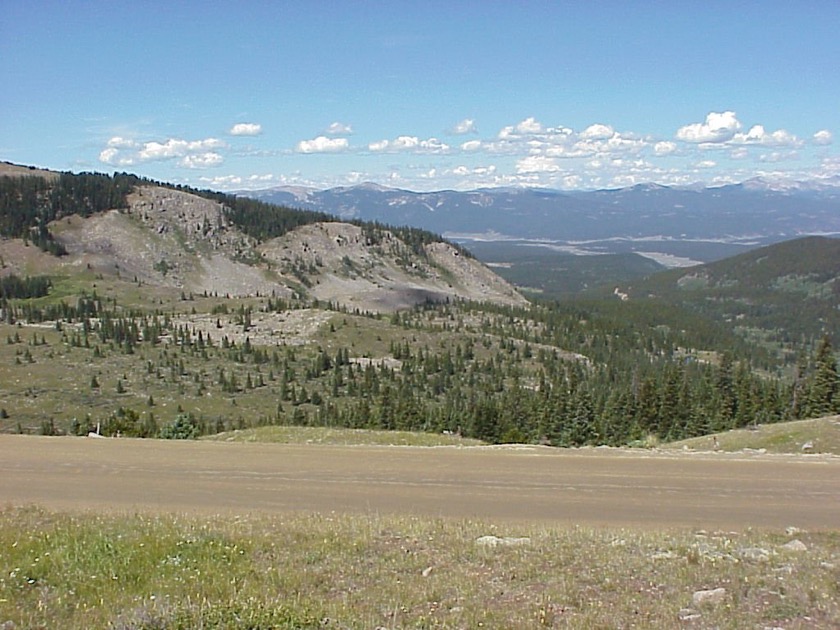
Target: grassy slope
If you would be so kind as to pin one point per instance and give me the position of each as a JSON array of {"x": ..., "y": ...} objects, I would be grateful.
[
  {"x": 785, "y": 437},
  {"x": 335, "y": 571}
]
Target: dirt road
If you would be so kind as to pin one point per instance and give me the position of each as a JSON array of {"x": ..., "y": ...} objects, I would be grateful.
[{"x": 588, "y": 487}]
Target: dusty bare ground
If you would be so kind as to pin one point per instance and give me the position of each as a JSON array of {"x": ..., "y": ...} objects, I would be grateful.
[
  {"x": 589, "y": 487},
  {"x": 294, "y": 327}
]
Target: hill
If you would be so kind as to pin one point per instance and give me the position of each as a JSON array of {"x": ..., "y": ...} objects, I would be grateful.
[
  {"x": 781, "y": 293},
  {"x": 194, "y": 242}
]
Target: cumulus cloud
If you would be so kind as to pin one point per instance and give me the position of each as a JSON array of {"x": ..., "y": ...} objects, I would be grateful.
[
  {"x": 471, "y": 145},
  {"x": 706, "y": 164},
  {"x": 597, "y": 132},
  {"x": 718, "y": 127},
  {"x": 759, "y": 136},
  {"x": 664, "y": 148},
  {"x": 823, "y": 137},
  {"x": 481, "y": 171},
  {"x": 245, "y": 129},
  {"x": 409, "y": 144},
  {"x": 405, "y": 142},
  {"x": 202, "y": 160},
  {"x": 529, "y": 126},
  {"x": 118, "y": 142},
  {"x": 339, "y": 129},
  {"x": 189, "y": 153},
  {"x": 464, "y": 127},
  {"x": 322, "y": 144},
  {"x": 173, "y": 148},
  {"x": 532, "y": 137},
  {"x": 114, "y": 157},
  {"x": 537, "y": 164},
  {"x": 778, "y": 156}
]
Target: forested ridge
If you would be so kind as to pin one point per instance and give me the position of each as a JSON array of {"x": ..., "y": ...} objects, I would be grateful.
[
  {"x": 783, "y": 293},
  {"x": 29, "y": 203}
]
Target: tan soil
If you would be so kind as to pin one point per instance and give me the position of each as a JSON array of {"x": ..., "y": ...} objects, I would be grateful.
[{"x": 583, "y": 487}]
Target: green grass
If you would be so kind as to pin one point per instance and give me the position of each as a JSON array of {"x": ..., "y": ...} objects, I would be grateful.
[
  {"x": 786, "y": 437},
  {"x": 333, "y": 571},
  {"x": 336, "y": 436}
]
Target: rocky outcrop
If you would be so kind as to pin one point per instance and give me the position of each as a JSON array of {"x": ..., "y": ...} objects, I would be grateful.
[{"x": 175, "y": 239}]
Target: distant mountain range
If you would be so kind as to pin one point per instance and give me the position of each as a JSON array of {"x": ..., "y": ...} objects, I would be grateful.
[{"x": 672, "y": 225}]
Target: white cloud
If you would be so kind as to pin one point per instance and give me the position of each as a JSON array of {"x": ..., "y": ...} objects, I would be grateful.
[
  {"x": 118, "y": 142},
  {"x": 537, "y": 164},
  {"x": 758, "y": 136},
  {"x": 718, "y": 127},
  {"x": 471, "y": 145},
  {"x": 245, "y": 129},
  {"x": 529, "y": 126},
  {"x": 778, "y": 156},
  {"x": 191, "y": 153},
  {"x": 706, "y": 164},
  {"x": 261, "y": 178},
  {"x": 480, "y": 171},
  {"x": 112, "y": 156},
  {"x": 823, "y": 137},
  {"x": 830, "y": 166},
  {"x": 173, "y": 148},
  {"x": 339, "y": 129},
  {"x": 222, "y": 181},
  {"x": 409, "y": 144},
  {"x": 322, "y": 144},
  {"x": 664, "y": 148},
  {"x": 202, "y": 160},
  {"x": 597, "y": 132},
  {"x": 405, "y": 142},
  {"x": 464, "y": 127}
]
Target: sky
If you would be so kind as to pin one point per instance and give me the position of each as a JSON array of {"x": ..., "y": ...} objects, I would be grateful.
[{"x": 424, "y": 95}]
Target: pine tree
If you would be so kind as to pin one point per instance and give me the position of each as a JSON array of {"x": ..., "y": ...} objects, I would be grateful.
[{"x": 824, "y": 386}]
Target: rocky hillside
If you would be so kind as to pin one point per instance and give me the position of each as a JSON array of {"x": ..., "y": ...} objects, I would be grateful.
[{"x": 176, "y": 239}]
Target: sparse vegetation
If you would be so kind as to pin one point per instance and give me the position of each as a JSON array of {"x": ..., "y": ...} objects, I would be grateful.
[
  {"x": 814, "y": 436},
  {"x": 337, "y": 571},
  {"x": 323, "y": 435}
]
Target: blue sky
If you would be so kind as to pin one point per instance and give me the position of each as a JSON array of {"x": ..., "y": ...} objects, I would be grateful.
[{"x": 423, "y": 95}]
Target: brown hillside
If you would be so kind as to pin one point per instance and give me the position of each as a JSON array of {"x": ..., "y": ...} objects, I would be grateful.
[{"x": 181, "y": 241}]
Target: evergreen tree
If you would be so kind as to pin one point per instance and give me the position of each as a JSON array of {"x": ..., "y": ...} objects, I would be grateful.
[{"x": 824, "y": 386}]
